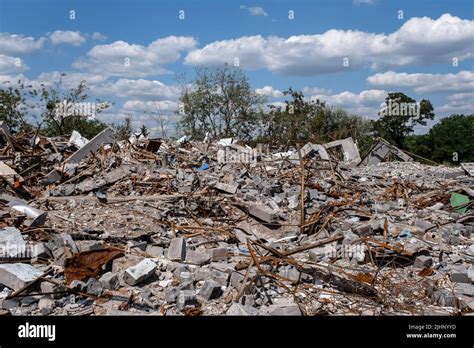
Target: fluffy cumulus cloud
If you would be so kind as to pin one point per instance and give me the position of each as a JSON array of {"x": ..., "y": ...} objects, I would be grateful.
[
  {"x": 366, "y": 103},
  {"x": 425, "y": 83},
  {"x": 254, "y": 10},
  {"x": 269, "y": 91},
  {"x": 19, "y": 44},
  {"x": 417, "y": 41},
  {"x": 67, "y": 37},
  {"x": 132, "y": 60},
  {"x": 144, "y": 89},
  {"x": 250, "y": 50},
  {"x": 10, "y": 65},
  {"x": 462, "y": 103}
]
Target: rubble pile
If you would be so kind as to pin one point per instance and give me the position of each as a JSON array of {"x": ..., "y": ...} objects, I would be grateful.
[{"x": 163, "y": 227}]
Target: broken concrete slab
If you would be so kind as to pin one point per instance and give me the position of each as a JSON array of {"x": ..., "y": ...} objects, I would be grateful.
[
  {"x": 309, "y": 150},
  {"x": 154, "y": 251},
  {"x": 17, "y": 275},
  {"x": 263, "y": 213},
  {"x": 284, "y": 310},
  {"x": 122, "y": 263},
  {"x": 12, "y": 244},
  {"x": 236, "y": 309},
  {"x": 459, "y": 274},
  {"x": 116, "y": 174},
  {"x": 468, "y": 167},
  {"x": 104, "y": 137},
  {"x": 381, "y": 151},
  {"x": 349, "y": 150},
  {"x": 232, "y": 189}
]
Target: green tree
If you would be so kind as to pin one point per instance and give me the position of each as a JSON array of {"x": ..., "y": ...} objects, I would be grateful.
[
  {"x": 14, "y": 105},
  {"x": 397, "y": 120},
  {"x": 220, "y": 103},
  {"x": 449, "y": 141},
  {"x": 453, "y": 139},
  {"x": 64, "y": 108},
  {"x": 301, "y": 120},
  {"x": 292, "y": 122}
]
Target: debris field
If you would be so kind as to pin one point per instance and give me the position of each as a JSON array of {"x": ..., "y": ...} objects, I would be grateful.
[{"x": 166, "y": 227}]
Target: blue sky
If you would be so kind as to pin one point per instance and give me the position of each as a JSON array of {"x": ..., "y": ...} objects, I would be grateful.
[{"x": 385, "y": 53}]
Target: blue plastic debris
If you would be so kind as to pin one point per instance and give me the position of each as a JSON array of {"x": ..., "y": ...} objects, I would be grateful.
[
  {"x": 204, "y": 166},
  {"x": 404, "y": 234}
]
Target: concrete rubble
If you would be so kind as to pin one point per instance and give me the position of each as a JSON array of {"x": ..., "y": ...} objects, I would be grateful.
[{"x": 163, "y": 227}]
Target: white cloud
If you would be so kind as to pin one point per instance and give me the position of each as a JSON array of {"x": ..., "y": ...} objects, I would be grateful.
[
  {"x": 251, "y": 51},
  {"x": 425, "y": 83},
  {"x": 132, "y": 60},
  {"x": 19, "y": 44},
  {"x": 12, "y": 80},
  {"x": 70, "y": 79},
  {"x": 366, "y": 103},
  {"x": 365, "y": 2},
  {"x": 144, "y": 89},
  {"x": 98, "y": 36},
  {"x": 418, "y": 41},
  {"x": 254, "y": 10},
  {"x": 269, "y": 91},
  {"x": 462, "y": 103},
  {"x": 9, "y": 65},
  {"x": 314, "y": 90},
  {"x": 68, "y": 37},
  {"x": 144, "y": 114},
  {"x": 151, "y": 106}
]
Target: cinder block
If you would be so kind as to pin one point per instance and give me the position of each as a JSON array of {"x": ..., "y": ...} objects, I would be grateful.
[
  {"x": 110, "y": 281},
  {"x": 139, "y": 273},
  {"x": 177, "y": 249},
  {"x": 219, "y": 254},
  {"x": 197, "y": 257},
  {"x": 186, "y": 299},
  {"x": 210, "y": 290}
]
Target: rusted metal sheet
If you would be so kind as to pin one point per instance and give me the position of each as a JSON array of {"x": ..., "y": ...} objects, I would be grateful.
[{"x": 87, "y": 264}]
